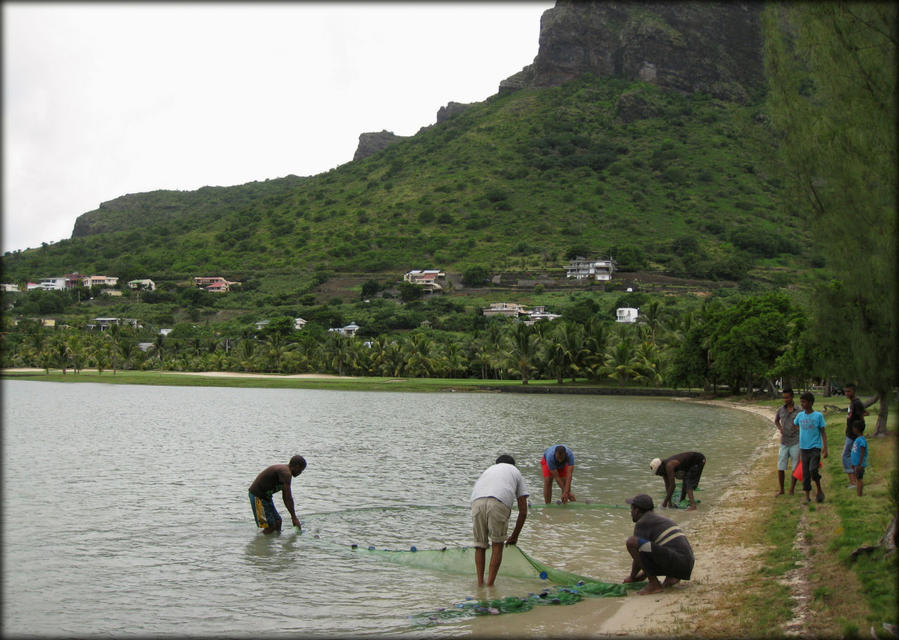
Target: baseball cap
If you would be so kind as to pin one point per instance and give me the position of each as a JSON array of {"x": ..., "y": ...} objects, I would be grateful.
[
  {"x": 654, "y": 465},
  {"x": 641, "y": 501}
]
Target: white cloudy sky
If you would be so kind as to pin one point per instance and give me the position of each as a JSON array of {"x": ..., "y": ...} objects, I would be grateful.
[{"x": 104, "y": 99}]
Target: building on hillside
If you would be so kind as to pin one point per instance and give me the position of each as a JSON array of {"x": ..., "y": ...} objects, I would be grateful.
[
  {"x": 426, "y": 278},
  {"x": 509, "y": 309},
  {"x": 100, "y": 281},
  {"x": 49, "y": 284},
  {"x": 105, "y": 323},
  {"x": 9, "y": 288},
  {"x": 540, "y": 313},
  {"x": 216, "y": 284},
  {"x": 298, "y": 323},
  {"x": 349, "y": 330},
  {"x": 581, "y": 268},
  {"x": 74, "y": 279},
  {"x": 627, "y": 314},
  {"x": 144, "y": 284}
]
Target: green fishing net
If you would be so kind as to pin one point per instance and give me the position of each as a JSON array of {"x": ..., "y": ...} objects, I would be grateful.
[{"x": 566, "y": 588}]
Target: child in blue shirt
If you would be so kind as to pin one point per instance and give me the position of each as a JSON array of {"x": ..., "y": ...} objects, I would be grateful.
[
  {"x": 812, "y": 444},
  {"x": 859, "y": 456}
]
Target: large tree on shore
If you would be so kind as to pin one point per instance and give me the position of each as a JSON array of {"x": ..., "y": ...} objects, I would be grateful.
[{"x": 832, "y": 79}]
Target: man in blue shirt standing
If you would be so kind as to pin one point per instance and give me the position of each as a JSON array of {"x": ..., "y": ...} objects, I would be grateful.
[
  {"x": 557, "y": 464},
  {"x": 812, "y": 444}
]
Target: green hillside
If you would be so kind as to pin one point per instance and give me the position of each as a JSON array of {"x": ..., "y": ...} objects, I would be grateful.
[{"x": 679, "y": 184}]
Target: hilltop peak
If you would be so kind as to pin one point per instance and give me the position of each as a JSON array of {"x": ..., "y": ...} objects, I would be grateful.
[{"x": 691, "y": 47}]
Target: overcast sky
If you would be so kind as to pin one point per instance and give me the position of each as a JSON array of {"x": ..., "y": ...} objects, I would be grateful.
[{"x": 101, "y": 100}]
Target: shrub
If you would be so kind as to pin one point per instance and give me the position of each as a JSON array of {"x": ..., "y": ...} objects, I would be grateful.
[{"x": 475, "y": 276}]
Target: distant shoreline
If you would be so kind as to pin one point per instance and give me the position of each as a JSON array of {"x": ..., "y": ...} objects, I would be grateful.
[{"x": 328, "y": 381}]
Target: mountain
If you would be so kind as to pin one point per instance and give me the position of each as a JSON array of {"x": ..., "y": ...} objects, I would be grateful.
[
  {"x": 692, "y": 47},
  {"x": 639, "y": 130}
]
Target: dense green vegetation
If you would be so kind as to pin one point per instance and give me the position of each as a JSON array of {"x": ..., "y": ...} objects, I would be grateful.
[
  {"x": 743, "y": 342},
  {"x": 832, "y": 73},
  {"x": 513, "y": 183}
]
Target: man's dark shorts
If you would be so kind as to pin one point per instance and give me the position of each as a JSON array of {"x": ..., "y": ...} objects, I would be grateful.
[
  {"x": 663, "y": 560},
  {"x": 810, "y": 459},
  {"x": 690, "y": 476},
  {"x": 264, "y": 512}
]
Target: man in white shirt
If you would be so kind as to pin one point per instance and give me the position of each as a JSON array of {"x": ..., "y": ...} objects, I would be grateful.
[{"x": 491, "y": 507}]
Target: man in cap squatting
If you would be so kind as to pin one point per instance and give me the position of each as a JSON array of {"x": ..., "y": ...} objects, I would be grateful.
[
  {"x": 658, "y": 548},
  {"x": 687, "y": 467}
]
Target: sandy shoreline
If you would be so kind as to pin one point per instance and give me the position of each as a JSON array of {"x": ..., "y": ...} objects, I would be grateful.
[{"x": 718, "y": 560}]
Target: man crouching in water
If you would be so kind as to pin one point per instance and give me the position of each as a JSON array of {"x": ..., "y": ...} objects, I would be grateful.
[
  {"x": 270, "y": 481},
  {"x": 658, "y": 547}
]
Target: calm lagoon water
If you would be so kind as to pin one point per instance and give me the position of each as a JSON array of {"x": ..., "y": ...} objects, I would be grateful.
[{"x": 125, "y": 508}]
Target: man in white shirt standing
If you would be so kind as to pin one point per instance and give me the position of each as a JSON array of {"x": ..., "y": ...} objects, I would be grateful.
[{"x": 491, "y": 507}]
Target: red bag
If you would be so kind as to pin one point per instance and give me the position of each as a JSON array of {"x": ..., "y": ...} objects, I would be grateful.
[{"x": 797, "y": 472}]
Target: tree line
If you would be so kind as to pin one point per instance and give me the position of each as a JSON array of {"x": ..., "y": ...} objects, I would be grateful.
[{"x": 754, "y": 343}]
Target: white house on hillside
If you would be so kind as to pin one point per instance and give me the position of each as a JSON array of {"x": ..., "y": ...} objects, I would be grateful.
[
  {"x": 146, "y": 284},
  {"x": 581, "y": 268},
  {"x": 349, "y": 330},
  {"x": 511, "y": 309},
  {"x": 426, "y": 278},
  {"x": 626, "y": 314}
]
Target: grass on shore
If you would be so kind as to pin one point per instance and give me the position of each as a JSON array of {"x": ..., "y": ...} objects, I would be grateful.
[
  {"x": 276, "y": 381},
  {"x": 808, "y": 552}
]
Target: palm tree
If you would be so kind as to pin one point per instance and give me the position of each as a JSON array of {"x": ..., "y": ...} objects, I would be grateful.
[
  {"x": 453, "y": 359},
  {"x": 76, "y": 351},
  {"x": 113, "y": 334},
  {"x": 127, "y": 349},
  {"x": 246, "y": 355},
  {"x": 653, "y": 316},
  {"x": 522, "y": 350},
  {"x": 60, "y": 348},
  {"x": 620, "y": 360},
  {"x": 159, "y": 349},
  {"x": 337, "y": 352},
  {"x": 596, "y": 341},
  {"x": 574, "y": 347}
]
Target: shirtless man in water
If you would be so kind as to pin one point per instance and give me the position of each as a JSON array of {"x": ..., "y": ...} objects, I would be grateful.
[
  {"x": 687, "y": 467},
  {"x": 658, "y": 548},
  {"x": 271, "y": 480}
]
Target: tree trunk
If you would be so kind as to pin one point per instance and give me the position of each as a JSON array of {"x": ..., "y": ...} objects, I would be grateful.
[
  {"x": 889, "y": 538},
  {"x": 881, "y": 428}
]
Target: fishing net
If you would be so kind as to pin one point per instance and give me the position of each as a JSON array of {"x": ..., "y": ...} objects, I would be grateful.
[
  {"x": 569, "y": 588},
  {"x": 552, "y": 586}
]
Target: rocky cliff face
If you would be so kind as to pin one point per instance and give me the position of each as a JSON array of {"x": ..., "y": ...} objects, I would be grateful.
[
  {"x": 371, "y": 143},
  {"x": 711, "y": 47}
]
